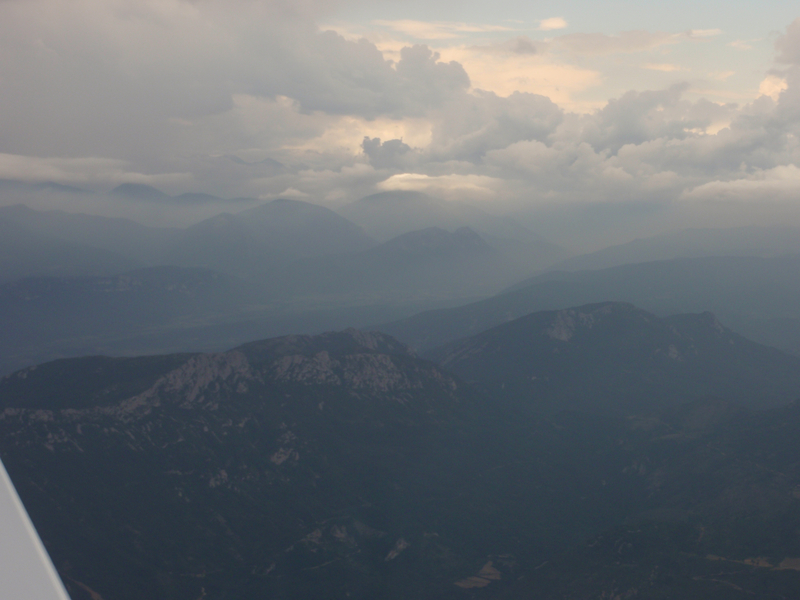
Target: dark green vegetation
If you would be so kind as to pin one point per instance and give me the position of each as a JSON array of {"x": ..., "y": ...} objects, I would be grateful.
[
  {"x": 757, "y": 297},
  {"x": 342, "y": 466}
]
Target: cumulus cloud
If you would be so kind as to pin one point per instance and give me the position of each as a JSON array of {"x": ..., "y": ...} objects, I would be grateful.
[
  {"x": 391, "y": 153},
  {"x": 108, "y": 78},
  {"x": 772, "y": 86},
  {"x": 470, "y": 126},
  {"x": 505, "y": 69},
  {"x": 788, "y": 45}
]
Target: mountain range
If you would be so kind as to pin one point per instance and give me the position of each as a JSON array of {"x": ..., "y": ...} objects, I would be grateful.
[
  {"x": 147, "y": 193},
  {"x": 758, "y": 297},
  {"x": 342, "y": 466},
  {"x": 282, "y": 267}
]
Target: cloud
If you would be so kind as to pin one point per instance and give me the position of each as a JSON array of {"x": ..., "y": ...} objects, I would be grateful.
[
  {"x": 91, "y": 171},
  {"x": 779, "y": 183},
  {"x": 788, "y": 45},
  {"x": 504, "y": 71},
  {"x": 428, "y": 80},
  {"x": 475, "y": 124},
  {"x": 742, "y": 44},
  {"x": 390, "y": 153},
  {"x": 722, "y": 76},
  {"x": 98, "y": 92},
  {"x": 521, "y": 45},
  {"x": 552, "y": 23},
  {"x": 438, "y": 30},
  {"x": 703, "y": 33},
  {"x": 772, "y": 86},
  {"x": 108, "y": 78},
  {"x": 454, "y": 186},
  {"x": 665, "y": 67}
]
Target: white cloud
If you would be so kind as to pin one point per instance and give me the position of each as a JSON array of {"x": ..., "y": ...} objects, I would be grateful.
[
  {"x": 742, "y": 44},
  {"x": 438, "y": 30},
  {"x": 665, "y": 67},
  {"x": 703, "y": 33},
  {"x": 452, "y": 187},
  {"x": 772, "y": 86},
  {"x": 552, "y": 23},
  {"x": 722, "y": 75},
  {"x": 504, "y": 72},
  {"x": 779, "y": 183}
]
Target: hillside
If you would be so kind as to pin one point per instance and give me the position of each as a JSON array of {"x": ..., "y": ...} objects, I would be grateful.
[
  {"x": 616, "y": 357},
  {"x": 341, "y": 466},
  {"x": 758, "y": 297}
]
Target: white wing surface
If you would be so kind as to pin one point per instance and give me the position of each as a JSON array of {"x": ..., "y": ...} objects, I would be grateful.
[{"x": 26, "y": 571}]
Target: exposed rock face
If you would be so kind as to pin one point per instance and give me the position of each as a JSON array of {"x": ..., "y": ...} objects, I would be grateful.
[
  {"x": 278, "y": 453},
  {"x": 565, "y": 322}
]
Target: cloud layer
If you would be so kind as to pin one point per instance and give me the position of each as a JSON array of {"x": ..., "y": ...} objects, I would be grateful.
[{"x": 255, "y": 98}]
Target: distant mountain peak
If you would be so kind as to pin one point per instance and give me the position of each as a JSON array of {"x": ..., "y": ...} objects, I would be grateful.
[
  {"x": 389, "y": 214},
  {"x": 396, "y": 197},
  {"x": 139, "y": 191},
  {"x": 437, "y": 240}
]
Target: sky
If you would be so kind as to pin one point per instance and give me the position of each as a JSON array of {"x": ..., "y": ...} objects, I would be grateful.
[{"x": 516, "y": 106}]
